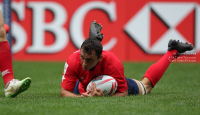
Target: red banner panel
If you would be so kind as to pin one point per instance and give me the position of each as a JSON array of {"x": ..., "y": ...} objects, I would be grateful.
[{"x": 135, "y": 30}]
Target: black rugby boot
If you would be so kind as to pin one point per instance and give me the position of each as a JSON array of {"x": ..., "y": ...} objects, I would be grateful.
[
  {"x": 179, "y": 46},
  {"x": 95, "y": 31}
]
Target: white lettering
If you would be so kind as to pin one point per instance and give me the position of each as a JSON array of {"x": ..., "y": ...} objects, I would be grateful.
[
  {"x": 56, "y": 27},
  {"x": 76, "y": 31},
  {"x": 5, "y": 72},
  {"x": 19, "y": 35}
]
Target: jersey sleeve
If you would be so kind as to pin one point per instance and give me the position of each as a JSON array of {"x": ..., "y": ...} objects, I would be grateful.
[
  {"x": 118, "y": 74},
  {"x": 114, "y": 68},
  {"x": 69, "y": 77}
]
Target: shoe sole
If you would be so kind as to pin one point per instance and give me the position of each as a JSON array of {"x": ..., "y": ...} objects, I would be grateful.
[{"x": 23, "y": 87}]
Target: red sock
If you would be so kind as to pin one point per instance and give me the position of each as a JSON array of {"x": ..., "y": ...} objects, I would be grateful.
[
  {"x": 5, "y": 62},
  {"x": 155, "y": 71}
]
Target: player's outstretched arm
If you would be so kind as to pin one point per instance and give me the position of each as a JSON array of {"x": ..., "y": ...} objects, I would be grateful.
[
  {"x": 125, "y": 93},
  {"x": 65, "y": 93},
  {"x": 98, "y": 92}
]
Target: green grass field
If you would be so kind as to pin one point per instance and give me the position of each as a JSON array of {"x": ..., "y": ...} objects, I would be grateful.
[{"x": 177, "y": 93}]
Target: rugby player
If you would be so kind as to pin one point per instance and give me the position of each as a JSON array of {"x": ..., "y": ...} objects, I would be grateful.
[{"x": 91, "y": 61}]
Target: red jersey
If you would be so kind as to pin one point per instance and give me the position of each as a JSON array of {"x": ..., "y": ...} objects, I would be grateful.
[{"x": 109, "y": 65}]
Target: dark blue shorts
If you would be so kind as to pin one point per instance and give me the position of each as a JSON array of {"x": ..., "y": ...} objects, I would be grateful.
[{"x": 132, "y": 87}]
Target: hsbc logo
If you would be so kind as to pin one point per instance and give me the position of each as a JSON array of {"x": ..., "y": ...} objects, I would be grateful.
[
  {"x": 172, "y": 17},
  {"x": 56, "y": 26},
  {"x": 151, "y": 27}
]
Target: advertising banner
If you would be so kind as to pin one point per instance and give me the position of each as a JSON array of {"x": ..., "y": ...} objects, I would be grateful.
[{"x": 135, "y": 30}]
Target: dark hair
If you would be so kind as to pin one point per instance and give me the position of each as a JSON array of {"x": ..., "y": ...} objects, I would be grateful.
[{"x": 92, "y": 44}]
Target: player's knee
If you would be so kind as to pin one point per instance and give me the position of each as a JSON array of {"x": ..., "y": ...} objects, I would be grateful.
[
  {"x": 147, "y": 84},
  {"x": 148, "y": 89}
]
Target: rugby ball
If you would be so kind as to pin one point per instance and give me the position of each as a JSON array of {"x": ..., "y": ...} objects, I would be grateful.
[{"x": 106, "y": 83}]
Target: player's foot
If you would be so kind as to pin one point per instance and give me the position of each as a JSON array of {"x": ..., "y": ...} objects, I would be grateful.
[
  {"x": 179, "y": 46},
  {"x": 95, "y": 29},
  {"x": 15, "y": 87}
]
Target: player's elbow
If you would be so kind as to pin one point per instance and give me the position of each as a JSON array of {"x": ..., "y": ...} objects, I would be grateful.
[
  {"x": 66, "y": 93},
  {"x": 62, "y": 92},
  {"x": 125, "y": 93}
]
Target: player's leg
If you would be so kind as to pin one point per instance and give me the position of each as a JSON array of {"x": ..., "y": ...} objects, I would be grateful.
[
  {"x": 5, "y": 56},
  {"x": 156, "y": 71},
  {"x": 12, "y": 86}
]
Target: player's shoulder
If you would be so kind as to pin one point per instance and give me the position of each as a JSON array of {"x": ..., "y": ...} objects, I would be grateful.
[
  {"x": 111, "y": 59},
  {"x": 111, "y": 63},
  {"x": 74, "y": 59},
  {"x": 110, "y": 56},
  {"x": 108, "y": 53}
]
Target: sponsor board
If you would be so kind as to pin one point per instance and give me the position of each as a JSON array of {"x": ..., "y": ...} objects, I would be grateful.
[{"x": 51, "y": 30}]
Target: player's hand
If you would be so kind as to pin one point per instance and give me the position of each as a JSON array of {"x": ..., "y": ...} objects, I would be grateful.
[
  {"x": 86, "y": 94},
  {"x": 96, "y": 91}
]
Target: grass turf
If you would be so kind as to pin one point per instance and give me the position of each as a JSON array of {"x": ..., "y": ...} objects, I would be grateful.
[{"x": 178, "y": 92}]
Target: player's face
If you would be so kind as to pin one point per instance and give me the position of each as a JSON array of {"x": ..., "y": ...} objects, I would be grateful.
[{"x": 89, "y": 60}]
